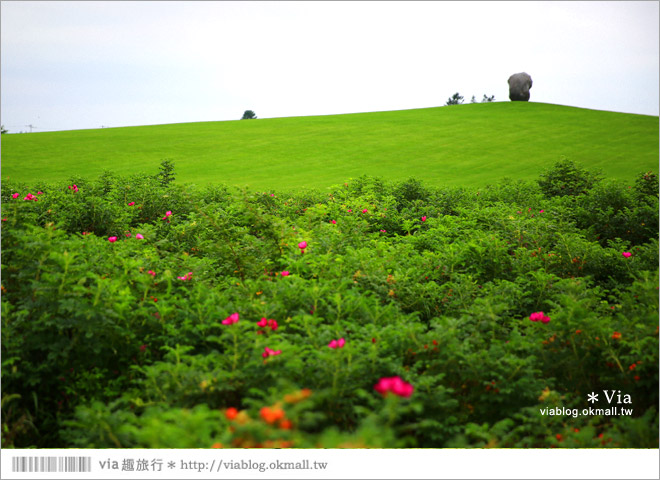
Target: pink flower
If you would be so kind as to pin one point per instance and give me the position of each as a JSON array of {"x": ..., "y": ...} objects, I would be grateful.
[
  {"x": 231, "y": 319},
  {"x": 270, "y": 352},
  {"x": 424, "y": 218},
  {"x": 364, "y": 211},
  {"x": 186, "y": 277},
  {"x": 167, "y": 214},
  {"x": 131, "y": 204},
  {"x": 383, "y": 231},
  {"x": 267, "y": 323},
  {"x": 626, "y": 254},
  {"x": 333, "y": 222},
  {"x": 16, "y": 195},
  {"x": 143, "y": 347},
  {"x": 29, "y": 196},
  {"x": 350, "y": 211},
  {"x": 272, "y": 194},
  {"x": 128, "y": 235},
  {"x": 541, "y": 211},
  {"x": 536, "y": 316},
  {"x": 395, "y": 385},
  {"x": 285, "y": 273},
  {"x": 302, "y": 245},
  {"x": 152, "y": 273},
  {"x": 337, "y": 343},
  {"x": 112, "y": 239},
  {"x": 139, "y": 236},
  {"x": 40, "y": 193}
]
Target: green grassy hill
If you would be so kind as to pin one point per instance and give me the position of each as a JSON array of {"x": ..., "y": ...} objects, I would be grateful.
[{"x": 472, "y": 144}]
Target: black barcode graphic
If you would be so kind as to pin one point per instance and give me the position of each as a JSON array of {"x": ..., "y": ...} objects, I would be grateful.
[{"x": 51, "y": 464}]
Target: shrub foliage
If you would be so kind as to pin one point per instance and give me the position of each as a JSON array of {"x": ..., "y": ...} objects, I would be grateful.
[{"x": 118, "y": 298}]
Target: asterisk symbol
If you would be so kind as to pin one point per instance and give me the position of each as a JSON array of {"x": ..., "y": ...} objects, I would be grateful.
[
  {"x": 593, "y": 397},
  {"x": 171, "y": 464}
]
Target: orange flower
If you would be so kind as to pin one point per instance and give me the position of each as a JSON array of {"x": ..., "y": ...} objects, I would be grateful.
[
  {"x": 216, "y": 445},
  {"x": 297, "y": 396},
  {"x": 231, "y": 413},
  {"x": 559, "y": 437},
  {"x": 616, "y": 336},
  {"x": 271, "y": 415},
  {"x": 285, "y": 424}
]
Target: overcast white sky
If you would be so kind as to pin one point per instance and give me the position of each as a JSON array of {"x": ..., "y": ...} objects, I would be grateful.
[{"x": 71, "y": 65}]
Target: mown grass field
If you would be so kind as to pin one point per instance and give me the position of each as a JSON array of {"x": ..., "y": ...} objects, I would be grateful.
[{"x": 468, "y": 145}]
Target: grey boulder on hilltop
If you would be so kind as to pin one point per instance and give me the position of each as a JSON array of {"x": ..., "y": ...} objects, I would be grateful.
[{"x": 519, "y": 85}]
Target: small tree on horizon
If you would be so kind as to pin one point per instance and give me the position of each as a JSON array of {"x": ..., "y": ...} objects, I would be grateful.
[
  {"x": 455, "y": 99},
  {"x": 248, "y": 115},
  {"x": 3, "y": 130},
  {"x": 487, "y": 99}
]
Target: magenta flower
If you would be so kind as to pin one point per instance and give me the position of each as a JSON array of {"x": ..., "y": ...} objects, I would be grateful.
[
  {"x": 29, "y": 196},
  {"x": 16, "y": 195},
  {"x": 364, "y": 211},
  {"x": 337, "y": 343},
  {"x": 270, "y": 352},
  {"x": 139, "y": 236},
  {"x": 167, "y": 214},
  {"x": 131, "y": 204},
  {"x": 40, "y": 192},
  {"x": 231, "y": 319},
  {"x": 536, "y": 316},
  {"x": 186, "y": 277},
  {"x": 285, "y": 273},
  {"x": 112, "y": 239},
  {"x": 333, "y": 222},
  {"x": 128, "y": 235},
  {"x": 267, "y": 323},
  {"x": 424, "y": 218},
  {"x": 152, "y": 273},
  {"x": 302, "y": 245},
  {"x": 350, "y": 211},
  {"x": 626, "y": 254},
  {"x": 395, "y": 385},
  {"x": 383, "y": 231},
  {"x": 541, "y": 211}
]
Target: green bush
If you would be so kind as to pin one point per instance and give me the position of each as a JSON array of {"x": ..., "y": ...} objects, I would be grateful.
[
  {"x": 127, "y": 343},
  {"x": 566, "y": 178}
]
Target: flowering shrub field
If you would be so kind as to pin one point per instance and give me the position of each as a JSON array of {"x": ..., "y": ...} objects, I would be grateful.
[{"x": 140, "y": 313}]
